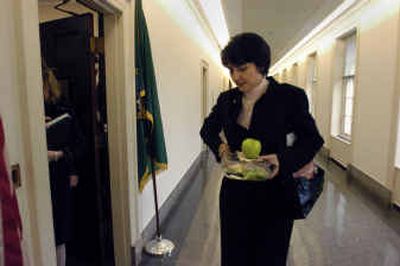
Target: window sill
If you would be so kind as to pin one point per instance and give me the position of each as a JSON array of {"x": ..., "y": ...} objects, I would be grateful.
[{"x": 343, "y": 139}]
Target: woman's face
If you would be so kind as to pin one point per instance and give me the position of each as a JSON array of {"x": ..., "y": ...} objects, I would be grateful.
[{"x": 246, "y": 76}]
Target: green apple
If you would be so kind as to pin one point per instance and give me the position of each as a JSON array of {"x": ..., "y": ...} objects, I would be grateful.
[
  {"x": 255, "y": 174},
  {"x": 251, "y": 148}
]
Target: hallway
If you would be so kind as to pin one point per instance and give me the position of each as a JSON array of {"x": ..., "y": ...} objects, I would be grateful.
[
  {"x": 346, "y": 227},
  {"x": 345, "y": 54}
]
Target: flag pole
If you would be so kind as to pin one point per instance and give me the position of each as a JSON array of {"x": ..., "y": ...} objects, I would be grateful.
[
  {"x": 158, "y": 246},
  {"x": 153, "y": 175},
  {"x": 145, "y": 79}
]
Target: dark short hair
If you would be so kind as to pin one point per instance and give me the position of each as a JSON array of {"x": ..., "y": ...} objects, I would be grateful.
[{"x": 247, "y": 48}]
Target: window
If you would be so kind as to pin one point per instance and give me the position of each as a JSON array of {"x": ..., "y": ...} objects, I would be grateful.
[
  {"x": 348, "y": 82},
  {"x": 311, "y": 81}
]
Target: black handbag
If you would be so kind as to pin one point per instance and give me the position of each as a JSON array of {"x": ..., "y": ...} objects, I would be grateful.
[{"x": 307, "y": 193}]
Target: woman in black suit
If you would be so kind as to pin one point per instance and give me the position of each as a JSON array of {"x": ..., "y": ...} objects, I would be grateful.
[
  {"x": 65, "y": 145},
  {"x": 256, "y": 217}
]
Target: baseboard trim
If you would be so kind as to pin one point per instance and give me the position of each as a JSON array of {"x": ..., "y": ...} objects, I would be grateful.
[
  {"x": 338, "y": 163},
  {"x": 369, "y": 185},
  {"x": 324, "y": 153}
]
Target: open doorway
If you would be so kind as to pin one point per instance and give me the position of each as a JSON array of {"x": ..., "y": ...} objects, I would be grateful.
[
  {"x": 72, "y": 47},
  {"x": 204, "y": 94}
]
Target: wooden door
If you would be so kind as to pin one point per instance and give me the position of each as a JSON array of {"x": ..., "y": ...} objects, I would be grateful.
[{"x": 67, "y": 47}]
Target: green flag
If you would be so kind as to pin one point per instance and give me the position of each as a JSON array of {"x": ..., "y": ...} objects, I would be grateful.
[{"x": 150, "y": 136}]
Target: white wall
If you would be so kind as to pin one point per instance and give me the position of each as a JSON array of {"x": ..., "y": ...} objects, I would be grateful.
[
  {"x": 9, "y": 111},
  {"x": 375, "y": 90},
  {"x": 376, "y": 94},
  {"x": 21, "y": 103},
  {"x": 178, "y": 46},
  {"x": 396, "y": 192},
  {"x": 302, "y": 74}
]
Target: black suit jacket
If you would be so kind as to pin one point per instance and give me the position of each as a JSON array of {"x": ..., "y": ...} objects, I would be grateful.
[{"x": 281, "y": 110}]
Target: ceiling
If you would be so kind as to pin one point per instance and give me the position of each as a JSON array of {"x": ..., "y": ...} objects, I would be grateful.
[{"x": 282, "y": 23}]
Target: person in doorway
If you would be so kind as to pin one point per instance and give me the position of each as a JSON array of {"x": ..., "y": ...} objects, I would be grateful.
[
  {"x": 256, "y": 218},
  {"x": 65, "y": 147}
]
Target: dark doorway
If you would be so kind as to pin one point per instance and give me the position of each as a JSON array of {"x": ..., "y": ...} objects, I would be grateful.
[{"x": 69, "y": 47}]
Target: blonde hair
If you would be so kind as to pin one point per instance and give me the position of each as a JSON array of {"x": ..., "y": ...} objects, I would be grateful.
[{"x": 51, "y": 83}]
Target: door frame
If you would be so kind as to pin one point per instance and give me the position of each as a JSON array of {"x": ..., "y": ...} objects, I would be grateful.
[{"x": 121, "y": 112}]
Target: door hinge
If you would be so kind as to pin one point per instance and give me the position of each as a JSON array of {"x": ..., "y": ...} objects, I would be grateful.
[{"x": 16, "y": 175}]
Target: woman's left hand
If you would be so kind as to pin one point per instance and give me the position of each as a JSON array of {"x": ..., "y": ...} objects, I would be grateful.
[
  {"x": 306, "y": 171},
  {"x": 54, "y": 155},
  {"x": 271, "y": 159}
]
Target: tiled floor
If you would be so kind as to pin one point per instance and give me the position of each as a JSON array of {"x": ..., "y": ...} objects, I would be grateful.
[{"x": 346, "y": 227}]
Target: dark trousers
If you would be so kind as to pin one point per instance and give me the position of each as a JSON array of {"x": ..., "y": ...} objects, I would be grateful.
[
  {"x": 61, "y": 201},
  {"x": 255, "y": 225}
]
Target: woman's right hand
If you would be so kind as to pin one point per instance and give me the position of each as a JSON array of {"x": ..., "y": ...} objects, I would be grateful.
[
  {"x": 223, "y": 149},
  {"x": 54, "y": 156}
]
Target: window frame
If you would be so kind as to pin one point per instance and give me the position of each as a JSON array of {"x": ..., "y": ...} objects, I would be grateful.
[
  {"x": 342, "y": 133},
  {"x": 345, "y": 78}
]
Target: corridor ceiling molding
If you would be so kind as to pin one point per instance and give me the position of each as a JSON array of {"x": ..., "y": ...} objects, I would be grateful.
[
  {"x": 293, "y": 54},
  {"x": 208, "y": 14},
  {"x": 216, "y": 18}
]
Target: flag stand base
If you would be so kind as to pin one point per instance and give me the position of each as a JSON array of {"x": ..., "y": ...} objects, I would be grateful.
[{"x": 159, "y": 247}]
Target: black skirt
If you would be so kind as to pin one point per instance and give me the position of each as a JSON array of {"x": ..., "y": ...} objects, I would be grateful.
[{"x": 255, "y": 223}]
